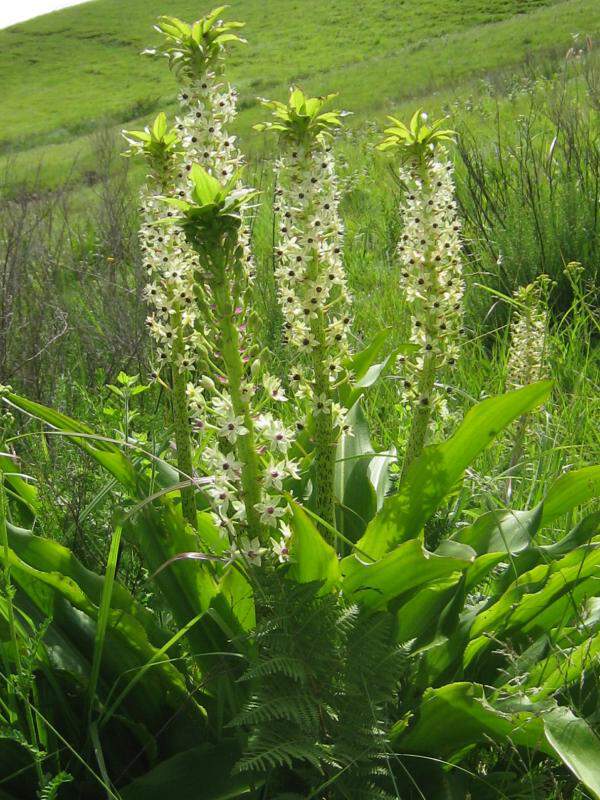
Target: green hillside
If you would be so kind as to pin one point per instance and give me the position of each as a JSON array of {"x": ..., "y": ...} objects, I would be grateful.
[{"x": 63, "y": 73}]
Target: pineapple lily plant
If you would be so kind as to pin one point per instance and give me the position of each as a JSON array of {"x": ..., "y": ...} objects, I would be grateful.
[{"x": 288, "y": 652}]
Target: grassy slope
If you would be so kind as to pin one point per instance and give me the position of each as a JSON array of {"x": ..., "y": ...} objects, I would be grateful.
[{"x": 65, "y": 72}]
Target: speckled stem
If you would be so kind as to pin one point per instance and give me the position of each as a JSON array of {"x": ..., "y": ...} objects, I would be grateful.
[
  {"x": 325, "y": 439},
  {"x": 246, "y": 445},
  {"x": 421, "y": 414},
  {"x": 182, "y": 436}
]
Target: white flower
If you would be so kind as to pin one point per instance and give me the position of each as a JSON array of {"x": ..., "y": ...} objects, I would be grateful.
[
  {"x": 270, "y": 512},
  {"x": 274, "y": 388},
  {"x": 292, "y": 469},
  {"x": 232, "y": 427},
  {"x": 274, "y": 475},
  {"x": 221, "y": 404},
  {"x": 321, "y": 405},
  {"x": 223, "y": 524},
  {"x": 230, "y": 466},
  {"x": 195, "y": 395},
  {"x": 285, "y": 530},
  {"x": 221, "y": 496},
  {"x": 251, "y": 550},
  {"x": 304, "y": 392},
  {"x": 188, "y": 318},
  {"x": 307, "y": 342},
  {"x": 339, "y": 414},
  {"x": 280, "y": 548},
  {"x": 277, "y": 471},
  {"x": 239, "y": 511},
  {"x": 277, "y": 434}
]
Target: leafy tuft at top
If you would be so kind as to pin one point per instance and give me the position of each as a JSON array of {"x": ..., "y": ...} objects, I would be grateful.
[
  {"x": 213, "y": 216},
  {"x": 157, "y": 142},
  {"x": 419, "y": 139},
  {"x": 302, "y": 119},
  {"x": 194, "y": 49}
]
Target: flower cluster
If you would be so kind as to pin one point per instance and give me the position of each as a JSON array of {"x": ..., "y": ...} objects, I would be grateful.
[
  {"x": 310, "y": 272},
  {"x": 528, "y": 334},
  {"x": 173, "y": 322},
  {"x": 429, "y": 254},
  {"x": 243, "y": 446},
  {"x": 430, "y": 266},
  {"x": 221, "y": 429},
  {"x": 207, "y": 106}
]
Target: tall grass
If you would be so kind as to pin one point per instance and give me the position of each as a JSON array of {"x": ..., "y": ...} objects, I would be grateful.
[
  {"x": 530, "y": 193},
  {"x": 70, "y": 282}
]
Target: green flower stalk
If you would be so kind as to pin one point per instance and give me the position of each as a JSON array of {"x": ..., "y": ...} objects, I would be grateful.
[
  {"x": 210, "y": 221},
  {"x": 170, "y": 291},
  {"x": 429, "y": 253},
  {"x": 310, "y": 271}
]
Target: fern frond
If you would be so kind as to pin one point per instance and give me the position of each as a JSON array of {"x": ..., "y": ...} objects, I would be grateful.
[
  {"x": 276, "y": 750},
  {"x": 285, "y": 665},
  {"x": 322, "y": 683},
  {"x": 50, "y": 790},
  {"x": 298, "y": 709}
]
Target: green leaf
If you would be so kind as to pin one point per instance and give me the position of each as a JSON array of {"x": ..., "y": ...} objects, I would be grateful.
[
  {"x": 536, "y": 602},
  {"x": 581, "y": 533},
  {"x": 207, "y": 189},
  {"x": 159, "y": 127},
  {"x": 585, "y": 531},
  {"x": 105, "y": 453},
  {"x": 501, "y": 531},
  {"x": 159, "y": 534},
  {"x": 365, "y": 372},
  {"x": 312, "y": 558},
  {"x": 74, "y": 617},
  {"x": 239, "y": 597},
  {"x": 458, "y": 715},
  {"x": 25, "y": 492},
  {"x": 352, "y": 488},
  {"x": 431, "y": 477},
  {"x": 103, "y": 614},
  {"x": 563, "y": 667},
  {"x": 47, "y": 555},
  {"x": 359, "y": 363},
  {"x": 379, "y": 474},
  {"x": 576, "y": 745},
  {"x": 571, "y": 490},
  {"x": 417, "y": 617},
  {"x": 408, "y": 567}
]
